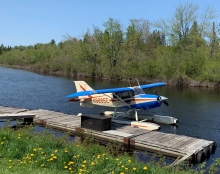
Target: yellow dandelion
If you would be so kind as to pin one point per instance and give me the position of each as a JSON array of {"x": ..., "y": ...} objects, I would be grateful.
[
  {"x": 34, "y": 149},
  {"x": 9, "y": 161},
  {"x": 39, "y": 148},
  {"x": 64, "y": 162},
  {"x": 122, "y": 173},
  {"x": 42, "y": 165},
  {"x": 54, "y": 157},
  {"x": 10, "y": 167},
  {"x": 71, "y": 162},
  {"x": 129, "y": 161},
  {"x": 83, "y": 165},
  {"x": 145, "y": 168},
  {"x": 84, "y": 161},
  {"x": 56, "y": 151},
  {"x": 21, "y": 162},
  {"x": 116, "y": 159},
  {"x": 74, "y": 156},
  {"x": 77, "y": 145},
  {"x": 134, "y": 168},
  {"x": 106, "y": 158},
  {"x": 78, "y": 155},
  {"x": 92, "y": 163},
  {"x": 4, "y": 138},
  {"x": 122, "y": 166},
  {"x": 32, "y": 154},
  {"x": 70, "y": 168},
  {"x": 52, "y": 154},
  {"x": 65, "y": 167},
  {"x": 126, "y": 168},
  {"x": 19, "y": 135},
  {"x": 93, "y": 156},
  {"x": 2, "y": 142},
  {"x": 51, "y": 159}
]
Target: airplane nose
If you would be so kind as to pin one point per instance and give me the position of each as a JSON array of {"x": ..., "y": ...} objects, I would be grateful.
[{"x": 162, "y": 98}]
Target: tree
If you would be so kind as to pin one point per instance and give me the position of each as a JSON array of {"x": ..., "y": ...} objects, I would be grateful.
[
  {"x": 52, "y": 42},
  {"x": 177, "y": 27},
  {"x": 110, "y": 41},
  {"x": 195, "y": 39}
]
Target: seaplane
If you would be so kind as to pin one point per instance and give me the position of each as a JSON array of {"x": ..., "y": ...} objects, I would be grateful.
[{"x": 130, "y": 98}]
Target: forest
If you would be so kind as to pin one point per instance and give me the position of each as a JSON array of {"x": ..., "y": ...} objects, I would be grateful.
[{"x": 185, "y": 46}]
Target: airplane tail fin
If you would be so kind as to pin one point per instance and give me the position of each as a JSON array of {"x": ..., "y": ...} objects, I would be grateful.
[{"x": 82, "y": 86}]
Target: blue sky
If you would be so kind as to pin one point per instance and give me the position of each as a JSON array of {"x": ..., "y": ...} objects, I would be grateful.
[{"x": 28, "y": 22}]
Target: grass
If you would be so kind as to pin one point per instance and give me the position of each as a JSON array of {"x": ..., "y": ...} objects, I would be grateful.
[{"x": 27, "y": 151}]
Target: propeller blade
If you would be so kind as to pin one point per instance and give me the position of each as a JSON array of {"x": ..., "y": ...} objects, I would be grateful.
[{"x": 165, "y": 102}]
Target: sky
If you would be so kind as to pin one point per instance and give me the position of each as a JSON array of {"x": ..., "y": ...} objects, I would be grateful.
[{"x": 28, "y": 22}]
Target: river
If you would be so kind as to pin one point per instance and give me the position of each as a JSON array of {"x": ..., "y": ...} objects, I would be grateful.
[{"x": 196, "y": 109}]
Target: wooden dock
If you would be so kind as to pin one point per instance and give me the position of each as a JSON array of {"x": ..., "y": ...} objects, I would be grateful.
[{"x": 183, "y": 148}]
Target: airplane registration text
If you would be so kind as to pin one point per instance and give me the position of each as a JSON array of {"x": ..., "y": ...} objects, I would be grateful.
[{"x": 100, "y": 100}]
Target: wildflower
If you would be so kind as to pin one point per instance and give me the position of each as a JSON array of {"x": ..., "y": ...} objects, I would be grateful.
[
  {"x": 92, "y": 163},
  {"x": 106, "y": 158},
  {"x": 84, "y": 161},
  {"x": 70, "y": 168},
  {"x": 74, "y": 156},
  {"x": 9, "y": 161},
  {"x": 54, "y": 157},
  {"x": 71, "y": 162},
  {"x": 2, "y": 142},
  {"x": 129, "y": 161},
  {"x": 51, "y": 159},
  {"x": 122, "y": 173},
  {"x": 52, "y": 154},
  {"x": 4, "y": 138},
  {"x": 134, "y": 168},
  {"x": 42, "y": 165},
  {"x": 77, "y": 145},
  {"x": 126, "y": 168},
  {"x": 19, "y": 135},
  {"x": 56, "y": 151},
  {"x": 65, "y": 150},
  {"x": 65, "y": 167},
  {"x": 83, "y": 165},
  {"x": 10, "y": 167},
  {"x": 32, "y": 154},
  {"x": 145, "y": 168},
  {"x": 34, "y": 149},
  {"x": 116, "y": 159},
  {"x": 39, "y": 148},
  {"x": 122, "y": 166}
]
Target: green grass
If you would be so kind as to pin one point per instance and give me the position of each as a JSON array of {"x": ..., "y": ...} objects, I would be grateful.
[{"x": 26, "y": 151}]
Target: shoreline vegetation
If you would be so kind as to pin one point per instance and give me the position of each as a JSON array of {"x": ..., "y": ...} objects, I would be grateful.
[
  {"x": 26, "y": 151},
  {"x": 183, "y": 50}
]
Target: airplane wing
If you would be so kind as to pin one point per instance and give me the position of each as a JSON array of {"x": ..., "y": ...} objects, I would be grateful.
[
  {"x": 99, "y": 91},
  {"x": 112, "y": 90},
  {"x": 152, "y": 85}
]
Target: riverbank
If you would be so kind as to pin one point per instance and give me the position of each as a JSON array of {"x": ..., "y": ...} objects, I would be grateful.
[{"x": 180, "y": 82}]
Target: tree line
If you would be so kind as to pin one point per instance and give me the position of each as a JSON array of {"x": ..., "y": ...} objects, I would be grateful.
[{"x": 184, "y": 46}]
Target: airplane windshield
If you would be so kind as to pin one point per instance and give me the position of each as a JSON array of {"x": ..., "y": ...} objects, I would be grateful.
[{"x": 138, "y": 90}]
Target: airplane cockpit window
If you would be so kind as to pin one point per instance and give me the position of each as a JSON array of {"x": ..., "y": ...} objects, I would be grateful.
[
  {"x": 138, "y": 90},
  {"x": 124, "y": 95}
]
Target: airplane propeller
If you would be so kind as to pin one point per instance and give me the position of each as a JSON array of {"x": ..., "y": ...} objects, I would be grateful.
[{"x": 162, "y": 99}]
